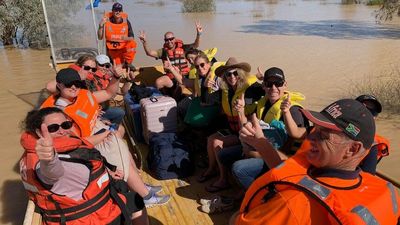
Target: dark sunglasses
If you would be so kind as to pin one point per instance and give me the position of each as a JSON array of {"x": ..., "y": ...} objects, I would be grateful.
[
  {"x": 117, "y": 11},
  {"x": 55, "y": 127},
  {"x": 169, "y": 39},
  {"x": 76, "y": 83},
  {"x": 94, "y": 69},
  {"x": 229, "y": 74},
  {"x": 106, "y": 65},
  {"x": 277, "y": 84},
  {"x": 200, "y": 65}
]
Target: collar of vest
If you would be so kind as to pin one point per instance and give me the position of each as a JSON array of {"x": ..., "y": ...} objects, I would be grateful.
[
  {"x": 61, "y": 144},
  {"x": 343, "y": 174},
  {"x": 178, "y": 44}
]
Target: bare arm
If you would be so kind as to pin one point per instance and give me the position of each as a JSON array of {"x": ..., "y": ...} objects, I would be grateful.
[
  {"x": 100, "y": 31},
  {"x": 147, "y": 50},
  {"x": 252, "y": 135},
  {"x": 98, "y": 138},
  {"x": 291, "y": 127},
  {"x": 178, "y": 76},
  {"x": 199, "y": 30}
]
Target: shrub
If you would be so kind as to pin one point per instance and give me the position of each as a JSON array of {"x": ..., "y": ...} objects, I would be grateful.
[
  {"x": 386, "y": 87},
  {"x": 198, "y": 6}
]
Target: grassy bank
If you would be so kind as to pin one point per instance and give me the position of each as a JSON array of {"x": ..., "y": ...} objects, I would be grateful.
[
  {"x": 198, "y": 6},
  {"x": 386, "y": 87}
]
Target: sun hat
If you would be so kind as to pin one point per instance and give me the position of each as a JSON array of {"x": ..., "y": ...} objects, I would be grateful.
[
  {"x": 232, "y": 63},
  {"x": 102, "y": 59}
]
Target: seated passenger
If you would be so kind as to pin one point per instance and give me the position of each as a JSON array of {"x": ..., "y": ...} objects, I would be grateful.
[
  {"x": 321, "y": 183},
  {"x": 63, "y": 173},
  {"x": 174, "y": 50},
  {"x": 235, "y": 81},
  {"x": 82, "y": 106},
  {"x": 276, "y": 106},
  {"x": 380, "y": 148}
]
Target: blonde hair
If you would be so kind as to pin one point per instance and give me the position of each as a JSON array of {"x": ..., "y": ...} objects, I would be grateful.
[{"x": 241, "y": 82}]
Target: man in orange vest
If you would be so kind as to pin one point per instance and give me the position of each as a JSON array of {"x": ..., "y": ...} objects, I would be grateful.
[
  {"x": 173, "y": 52},
  {"x": 322, "y": 183},
  {"x": 119, "y": 36}
]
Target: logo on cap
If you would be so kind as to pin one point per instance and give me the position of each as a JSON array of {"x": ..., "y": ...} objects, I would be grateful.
[
  {"x": 353, "y": 130},
  {"x": 334, "y": 110}
]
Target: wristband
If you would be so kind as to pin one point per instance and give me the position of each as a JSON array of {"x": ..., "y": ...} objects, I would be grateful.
[{"x": 198, "y": 33}]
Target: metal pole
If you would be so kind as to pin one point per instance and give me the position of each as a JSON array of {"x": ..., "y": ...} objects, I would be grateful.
[
  {"x": 53, "y": 54},
  {"x": 94, "y": 26}
]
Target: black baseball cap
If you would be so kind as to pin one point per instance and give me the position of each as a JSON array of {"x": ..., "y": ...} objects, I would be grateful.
[
  {"x": 117, "y": 7},
  {"x": 274, "y": 72},
  {"x": 349, "y": 116},
  {"x": 67, "y": 76},
  {"x": 370, "y": 98}
]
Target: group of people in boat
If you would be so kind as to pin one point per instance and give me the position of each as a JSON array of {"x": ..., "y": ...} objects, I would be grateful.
[{"x": 294, "y": 166}]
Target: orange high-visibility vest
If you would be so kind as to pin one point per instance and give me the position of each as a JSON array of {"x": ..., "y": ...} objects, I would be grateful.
[
  {"x": 177, "y": 58},
  {"x": 83, "y": 111},
  {"x": 371, "y": 201}
]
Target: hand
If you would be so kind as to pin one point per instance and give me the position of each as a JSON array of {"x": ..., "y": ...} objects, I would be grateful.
[
  {"x": 199, "y": 28},
  {"x": 103, "y": 21},
  {"x": 285, "y": 105},
  {"x": 44, "y": 146},
  {"x": 259, "y": 75},
  {"x": 209, "y": 83},
  {"x": 142, "y": 36},
  {"x": 252, "y": 129},
  {"x": 168, "y": 65},
  {"x": 117, "y": 175},
  {"x": 117, "y": 70},
  {"x": 239, "y": 103}
]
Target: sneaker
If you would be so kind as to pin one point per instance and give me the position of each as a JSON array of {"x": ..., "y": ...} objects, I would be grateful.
[
  {"x": 218, "y": 205},
  {"x": 156, "y": 200},
  {"x": 153, "y": 189}
]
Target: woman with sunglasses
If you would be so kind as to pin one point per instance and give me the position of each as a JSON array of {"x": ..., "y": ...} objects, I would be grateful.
[
  {"x": 82, "y": 106},
  {"x": 64, "y": 174},
  {"x": 235, "y": 82}
]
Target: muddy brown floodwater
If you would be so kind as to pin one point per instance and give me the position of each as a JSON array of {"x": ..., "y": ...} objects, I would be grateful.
[{"x": 323, "y": 47}]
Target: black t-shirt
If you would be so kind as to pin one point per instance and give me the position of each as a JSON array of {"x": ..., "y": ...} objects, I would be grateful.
[{"x": 130, "y": 30}]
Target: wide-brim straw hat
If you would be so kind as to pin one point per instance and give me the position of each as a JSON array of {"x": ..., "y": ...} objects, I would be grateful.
[{"x": 232, "y": 63}]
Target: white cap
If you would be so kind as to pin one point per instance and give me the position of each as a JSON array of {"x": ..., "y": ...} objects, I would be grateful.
[{"x": 102, "y": 59}]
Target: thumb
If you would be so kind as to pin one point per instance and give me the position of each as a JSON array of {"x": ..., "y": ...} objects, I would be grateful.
[
  {"x": 287, "y": 96},
  {"x": 242, "y": 97},
  {"x": 259, "y": 70},
  {"x": 44, "y": 132},
  {"x": 254, "y": 121}
]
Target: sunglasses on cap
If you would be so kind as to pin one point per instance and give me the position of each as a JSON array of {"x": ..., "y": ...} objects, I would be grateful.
[
  {"x": 52, "y": 128},
  {"x": 94, "y": 69},
  {"x": 76, "y": 83},
  {"x": 200, "y": 65},
  {"x": 277, "y": 84},
  {"x": 106, "y": 65},
  {"x": 229, "y": 74},
  {"x": 169, "y": 39}
]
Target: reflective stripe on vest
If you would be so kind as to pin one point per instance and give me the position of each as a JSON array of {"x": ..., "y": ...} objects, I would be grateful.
[
  {"x": 82, "y": 114},
  {"x": 393, "y": 197},
  {"x": 91, "y": 100},
  {"x": 365, "y": 215},
  {"x": 316, "y": 188}
]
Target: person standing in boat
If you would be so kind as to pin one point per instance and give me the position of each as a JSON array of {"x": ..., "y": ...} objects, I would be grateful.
[
  {"x": 321, "y": 183},
  {"x": 174, "y": 51},
  {"x": 118, "y": 33}
]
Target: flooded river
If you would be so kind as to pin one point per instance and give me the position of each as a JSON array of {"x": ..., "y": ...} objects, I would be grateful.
[{"x": 324, "y": 47}]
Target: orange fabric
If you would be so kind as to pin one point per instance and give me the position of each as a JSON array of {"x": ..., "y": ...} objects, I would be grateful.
[
  {"x": 292, "y": 206},
  {"x": 40, "y": 195},
  {"x": 99, "y": 79},
  {"x": 84, "y": 111},
  {"x": 125, "y": 55},
  {"x": 177, "y": 58},
  {"x": 382, "y": 145}
]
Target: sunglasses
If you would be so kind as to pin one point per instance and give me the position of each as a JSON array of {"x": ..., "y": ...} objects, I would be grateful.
[
  {"x": 229, "y": 74},
  {"x": 200, "y": 65},
  {"x": 106, "y": 65},
  {"x": 169, "y": 39},
  {"x": 76, "y": 83},
  {"x": 277, "y": 84},
  {"x": 94, "y": 69},
  {"x": 55, "y": 127}
]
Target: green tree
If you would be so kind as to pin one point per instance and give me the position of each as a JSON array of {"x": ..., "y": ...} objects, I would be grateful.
[{"x": 388, "y": 9}]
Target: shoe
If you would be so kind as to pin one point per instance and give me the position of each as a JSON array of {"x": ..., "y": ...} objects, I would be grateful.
[
  {"x": 156, "y": 200},
  {"x": 203, "y": 178},
  {"x": 218, "y": 205},
  {"x": 208, "y": 200},
  {"x": 152, "y": 188}
]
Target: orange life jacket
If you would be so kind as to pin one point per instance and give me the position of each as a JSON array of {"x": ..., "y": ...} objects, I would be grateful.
[
  {"x": 83, "y": 111},
  {"x": 115, "y": 32},
  {"x": 382, "y": 144},
  {"x": 100, "y": 80},
  {"x": 365, "y": 206},
  {"x": 98, "y": 204},
  {"x": 177, "y": 58}
]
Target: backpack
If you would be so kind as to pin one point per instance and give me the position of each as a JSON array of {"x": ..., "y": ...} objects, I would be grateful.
[
  {"x": 141, "y": 91},
  {"x": 168, "y": 157}
]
